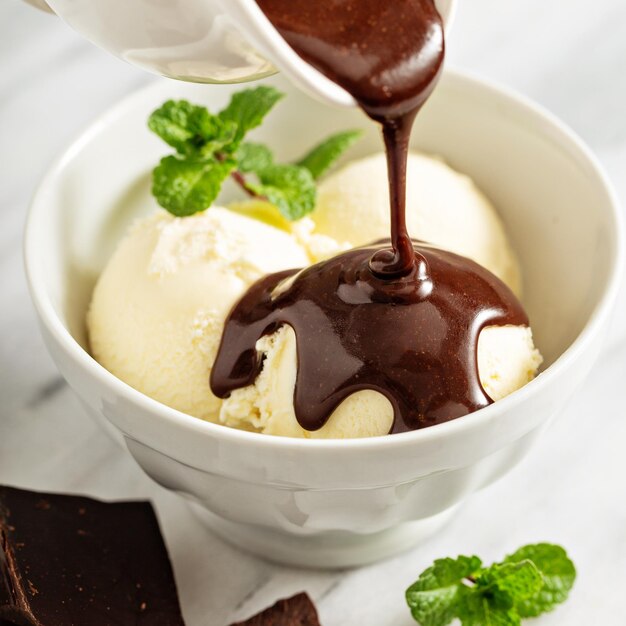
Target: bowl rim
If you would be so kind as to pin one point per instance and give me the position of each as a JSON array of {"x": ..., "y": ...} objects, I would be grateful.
[{"x": 467, "y": 81}]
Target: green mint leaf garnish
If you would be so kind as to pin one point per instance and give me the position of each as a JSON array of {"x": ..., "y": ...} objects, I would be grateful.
[
  {"x": 248, "y": 108},
  {"x": 511, "y": 583},
  {"x": 289, "y": 187},
  {"x": 434, "y": 598},
  {"x": 319, "y": 160},
  {"x": 477, "y": 609},
  {"x": 253, "y": 157},
  {"x": 558, "y": 573},
  {"x": 191, "y": 129},
  {"x": 209, "y": 148},
  {"x": 187, "y": 186},
  {"x": 527, "y": 583}
]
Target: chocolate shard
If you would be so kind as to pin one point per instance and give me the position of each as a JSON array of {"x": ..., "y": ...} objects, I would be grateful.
[
  {"x": 295, "y": 611},
  {"x": 73, "y": 561}
]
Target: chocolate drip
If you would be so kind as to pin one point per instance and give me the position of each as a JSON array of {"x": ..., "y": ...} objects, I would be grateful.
[
  {"x": 413, "y": 339},
  {"x": 388, "y": 56}
]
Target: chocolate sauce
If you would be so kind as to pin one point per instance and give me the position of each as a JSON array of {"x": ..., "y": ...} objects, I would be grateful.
[
  {"x": 413, "y": 339},
  {"x": 402, "y": 319},
  {"x": 388, "y": 55}
]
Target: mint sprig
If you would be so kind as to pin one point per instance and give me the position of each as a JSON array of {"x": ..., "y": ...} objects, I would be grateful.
[
  {"x": 210, "y": 148},
  {"x": 527, "y": 583}
]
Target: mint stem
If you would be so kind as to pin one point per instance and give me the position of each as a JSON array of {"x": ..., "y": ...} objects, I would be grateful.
[{"x": 240, "y": 179}]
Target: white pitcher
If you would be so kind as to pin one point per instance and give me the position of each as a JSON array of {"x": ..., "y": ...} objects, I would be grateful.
[{"x": 204, "y": 41}]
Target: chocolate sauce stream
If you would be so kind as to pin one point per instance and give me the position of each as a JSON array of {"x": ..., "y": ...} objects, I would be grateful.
[
  {"x": 388, "y": 55},
  {"x": 402, "y": 319},
  {"x": 400, "y": 259}
]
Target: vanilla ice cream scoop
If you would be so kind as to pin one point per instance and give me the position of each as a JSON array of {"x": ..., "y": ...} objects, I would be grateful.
[
  {"x": 159, "y": 307},
  {"x": 443, "y": 207}
]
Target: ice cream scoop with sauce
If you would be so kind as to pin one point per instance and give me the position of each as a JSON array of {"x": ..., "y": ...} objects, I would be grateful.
[{"x": 158, "y": 310}]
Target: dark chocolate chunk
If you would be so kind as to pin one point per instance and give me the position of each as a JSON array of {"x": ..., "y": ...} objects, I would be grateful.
[
  {"x": 296, "y": 611},
  {"x": 73, "y": 561}
]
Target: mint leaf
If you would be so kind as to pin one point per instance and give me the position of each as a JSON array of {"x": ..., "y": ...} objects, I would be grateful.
[
  {"x": 434, "y": 597},
  {"x": 510, "y": 582},
  {"x": 253, "y": 157},
  {"x": 289, "y": 187},
  {"x": 558, "y": 574},
  {"x": 180, "y": 123},
  {"x": 248, "y": 108},
  {"x": 498, "y": 589},
  {"x": 478, "y": 609},
  {"x": 191, "y": 129},
  {"x": 324, "y": 155},
  {"x": 529, "y": 582},
  {"x": 185, "y": 186},
  {"x": 210, "y": 147}
]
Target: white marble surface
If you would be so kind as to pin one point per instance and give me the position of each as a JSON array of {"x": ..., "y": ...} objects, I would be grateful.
[{"x": 569, "y": 55}]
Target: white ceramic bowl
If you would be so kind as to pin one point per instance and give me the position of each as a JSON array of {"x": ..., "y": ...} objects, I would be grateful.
[{"x": 339, "y": 503}]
